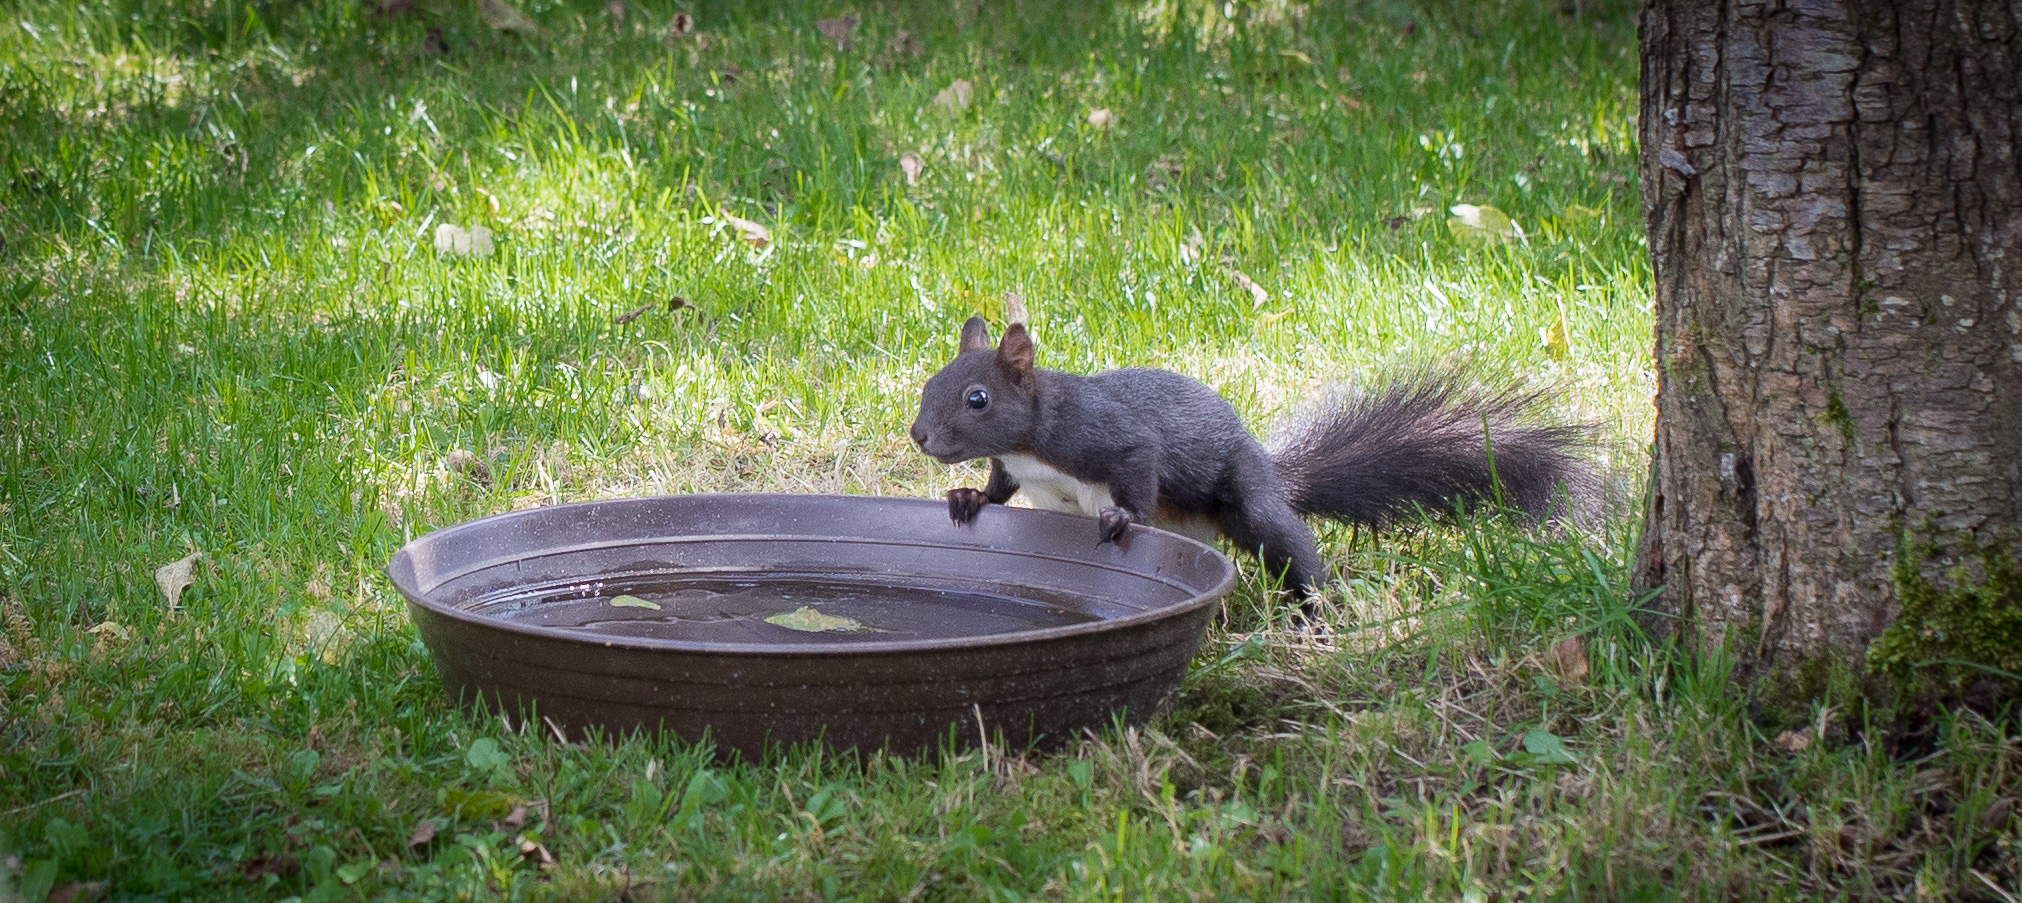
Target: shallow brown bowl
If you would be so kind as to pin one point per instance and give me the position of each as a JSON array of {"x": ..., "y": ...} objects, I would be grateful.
[{"x": 768, "y": 620}]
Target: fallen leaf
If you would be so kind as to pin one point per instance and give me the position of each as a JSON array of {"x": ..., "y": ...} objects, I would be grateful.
[
  {"x": 910, "y": 165},
  {"x": 1100, "y": 118},
  {"x": 808, "y": 620},
  {"x": 901, "y": 45},
  {"x": 753, "y": 232},
  {"x": 352, "y": 872},
  {"x": 683, "y": 23},
  {"x": 1547, "y": 748},
  {"x": 1481, "y": 223},
  {"x": 75, "y": 892},
  {"x": 1014, "y": 310},
  {"x": 1997, "y": 814},
  {"x": 989, "y": 307},
  {"x": 1569, "y": 659},
  {"x": 536, "y": 852},
  {"x": 1258, "y": 297},
  {"x": 517, "y": 817},
  {"x": 624, "y": 601},
  {"x": 482, "y": 803},
  {"x": 423, "y": 833},
  {"x": 458, "y": 241},
  {"x": 1792, "y": 741},
  {"x": 324, "y": 632},
  {"x": 837, "y": 30},
  {"x": 110, "y": 631},
  {"x": 175, "y": 577},
  {"x": 615, "y": 9},
  {"x": 1480, "y": 753},
  {"x": 505, "y": 18},
  {"x": 1396, "y": 222},
  {"x": 280, "y": 865},
  {"x": 466, "y": 462},
  {"x": 1556, "y": 343},
  {"x": 955, "y": 97}
]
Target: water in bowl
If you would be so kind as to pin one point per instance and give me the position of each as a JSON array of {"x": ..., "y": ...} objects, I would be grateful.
[{"x": 801, "y": 608}]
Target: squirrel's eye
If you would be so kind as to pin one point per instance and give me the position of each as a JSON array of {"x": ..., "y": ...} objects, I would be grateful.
[{"x": 978, "y": 399}]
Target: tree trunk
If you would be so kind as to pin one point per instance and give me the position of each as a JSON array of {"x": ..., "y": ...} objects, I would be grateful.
[{"x": 1835, "y": 210}]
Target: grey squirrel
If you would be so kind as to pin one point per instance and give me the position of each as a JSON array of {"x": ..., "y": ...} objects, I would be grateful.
[{"x": 1140, "y": 446}]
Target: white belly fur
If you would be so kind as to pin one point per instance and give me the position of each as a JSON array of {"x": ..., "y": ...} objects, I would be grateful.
[{"x": 1051, "y": 490}]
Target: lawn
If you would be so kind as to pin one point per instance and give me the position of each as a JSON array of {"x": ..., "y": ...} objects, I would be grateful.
[{"x": 236, "y": 322}]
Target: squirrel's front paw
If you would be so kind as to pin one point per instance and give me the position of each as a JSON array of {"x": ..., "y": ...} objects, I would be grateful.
[
  {"x": 964, "y": 504},
  {"x": 1112, "y": 523}
]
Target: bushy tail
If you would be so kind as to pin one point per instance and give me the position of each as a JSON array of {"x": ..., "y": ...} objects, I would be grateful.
[{"x": 1416, "y": 443}]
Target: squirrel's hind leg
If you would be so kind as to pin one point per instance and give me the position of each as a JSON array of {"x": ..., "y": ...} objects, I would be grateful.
[{"x": 1268, "y": 526}]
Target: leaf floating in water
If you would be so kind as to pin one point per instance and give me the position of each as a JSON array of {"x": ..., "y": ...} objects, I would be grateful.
[
  {"x": 811, "y": 621},
  {"x": 633, "y": 602}
]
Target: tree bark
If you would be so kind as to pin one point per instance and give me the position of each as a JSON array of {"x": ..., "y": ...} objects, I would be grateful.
[{"x": 1834, "y": 205}]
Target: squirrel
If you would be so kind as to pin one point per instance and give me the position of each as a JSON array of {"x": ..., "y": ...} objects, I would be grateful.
[{"x": 1137, "y": 446}]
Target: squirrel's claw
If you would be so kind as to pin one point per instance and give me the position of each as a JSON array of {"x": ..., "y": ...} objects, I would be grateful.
[
  {"x": 965, "y": 503},
  {"x": 1111, "y": 525}
]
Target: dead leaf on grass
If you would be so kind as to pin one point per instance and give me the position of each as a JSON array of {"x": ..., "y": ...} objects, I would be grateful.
[
  {"x": 423, "y": 833},
  {"x": 457, "y": 241},
  {"x": 76, "y": 892},
  {"x": 1792, "y": 741},
  {"x": 615, "y": 9},
  {"x": 176, "y": 576},
  {"x": 1258, "y": 297},
  {"x": 507, "y": 19},
  {"x": 280, "y": 865},
  {"x": 1557, "y": 345},
  {"x": 955, "y": 97},
  {"x": 1014, "y": 310},
  {"x": 324, "y": 633},
  {"x": 753, "y": 232},
  {"x": 910, "y": 165},
  {"x": 684, "y": 24},
  {"x": 537, "y": 853},
  {"x": 902, "y": 46},
  {"x": 1569, "y": 659},
  {"x": 837, "y": 30},
  {"x": 1483, "y": 223},
  {"x": 517, "y": 817},
  {"x": 466, "y": 462},
  {"x": 1101, "y": 119}
]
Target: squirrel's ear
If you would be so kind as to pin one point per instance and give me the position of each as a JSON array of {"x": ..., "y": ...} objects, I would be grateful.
[
  {"x": 1015, "y": 355},
  {"x": 975, "y": 335}
]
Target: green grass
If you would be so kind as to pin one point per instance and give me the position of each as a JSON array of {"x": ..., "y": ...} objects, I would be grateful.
[{"x": 223, "y": 328}]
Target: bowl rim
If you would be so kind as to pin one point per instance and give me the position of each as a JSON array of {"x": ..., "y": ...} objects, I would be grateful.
[{"x": 401, "y": 578}]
